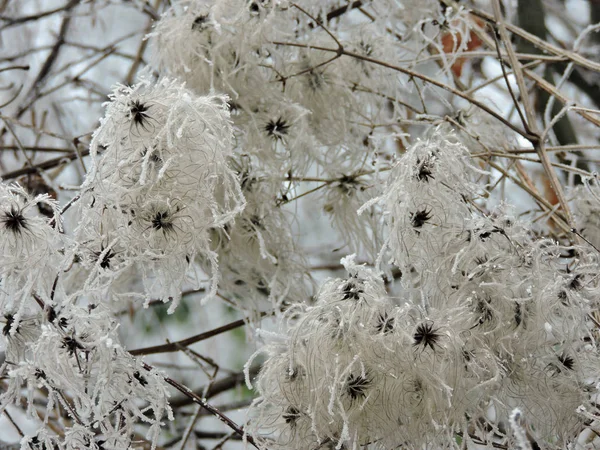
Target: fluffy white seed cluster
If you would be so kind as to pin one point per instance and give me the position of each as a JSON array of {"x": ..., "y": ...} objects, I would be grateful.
[
  {"x": 322, "y": 378},
  {"x": 73, "y": 354},
  {"x": 487, "y": 335},
  {"x": 426, "y": 202},
  {"x": 56, "y": 352},
  {"x": 159, "y": 184},
  {"x": 28, "y": 248},
  {"x": 487, "y": 319},
  {"x": 258, "y": 258},
  {"x": 297, "y": 112}
]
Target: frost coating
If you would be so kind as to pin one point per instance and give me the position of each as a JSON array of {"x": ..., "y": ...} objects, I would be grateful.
[
  {"x": 28, "y": 249},
  {"x": 488, "y": 319},
  {"x": 473, "y": 315},
  {"x": 160, "y": 182},
  {"x": 76, "y": 351}
]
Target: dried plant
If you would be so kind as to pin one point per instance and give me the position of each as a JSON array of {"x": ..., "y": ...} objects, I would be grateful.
[{"x": 221, "y": 157}]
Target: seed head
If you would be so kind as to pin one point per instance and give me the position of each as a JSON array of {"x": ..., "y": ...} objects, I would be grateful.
[
  {"x": 426, "y": 335},
  {"x": 139, "y": 113},
  {"x": 419, "y": 218},
  {"x": 277, "y": 128},
  {"x": 161, "y": 220},
  {"x": 356, "y": 385},
  {"x": 14, "y": 220},
  {"x": 291, "y": 416}
]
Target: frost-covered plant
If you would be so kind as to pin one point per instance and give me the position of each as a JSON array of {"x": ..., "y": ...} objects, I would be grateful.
[
  {"x": 426, "y": 202},
  {"x": 316, "y": 383},
  {"x": 262, "y": 137},
  {"x": 257, "y": 255},
  {"x": 70, "y": 351},
  {"x": 75, "y": 355},
  {"x": 586, "y": 201},
  {"x": 158, "y": 187},
  {"x": 343, "y": 198},
  {"x": 28, "y": 249},
  {"x": 488, "y": 318}
]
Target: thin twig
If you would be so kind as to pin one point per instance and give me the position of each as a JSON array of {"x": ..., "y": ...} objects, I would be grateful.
[
  {"x": 218, "y": 387},
  {"x": 508, "y": 85},
  {"x": 203, "y": 403},
  {"x": 176, "y": 346},
  {"x": 25, "y": 67},
  {"x": 37, "y": 148},
  {"x": 565, "y": 167},
  {"x": 531, "y": 125},
  {"x": 49, "y": 164},
  {"x": 14, "y": 424},
  {"x": 141, "y": 49},
  {"x": 418, "y": 75},
  {"x": 190, "y": 427},
  {"x": 12, "y": 21},
  {"x": 318, "y": 22},
  {"x": 540, "y": 43}
]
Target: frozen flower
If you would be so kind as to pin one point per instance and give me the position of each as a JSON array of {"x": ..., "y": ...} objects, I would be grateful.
[
  {"x": 586, "y": 204},
  {"x": 217, "y": 45},
  {"x": 277, "y": 133},
  {"x": 488, "y": 318}
]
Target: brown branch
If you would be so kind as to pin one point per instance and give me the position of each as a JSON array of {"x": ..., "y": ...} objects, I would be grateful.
[
  {"x": 218, "y": 387},
  {"x": 481, "y": 105},
  {"x": 343, "y": 9},
  {"x": 508, "y": 85},
  {"x": 539, "y": 43},
  {"x": 539, "y": 80},
  {"x": 176, "y": 346},
  {"x": 37, "y": 148},
  {"x": 140, "y": 52},
  {"x": 49, "y": 164},
  {"x": 195, "y": 398},
  {"x": 534, "y": 135},
  {"x": 12, "y": 21},
  {"x": 25, "y": 67},
  {"x": 337, "y": 12},
  {"x": 14, "y": 424},
  {"x": 48, "y": 63}
]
